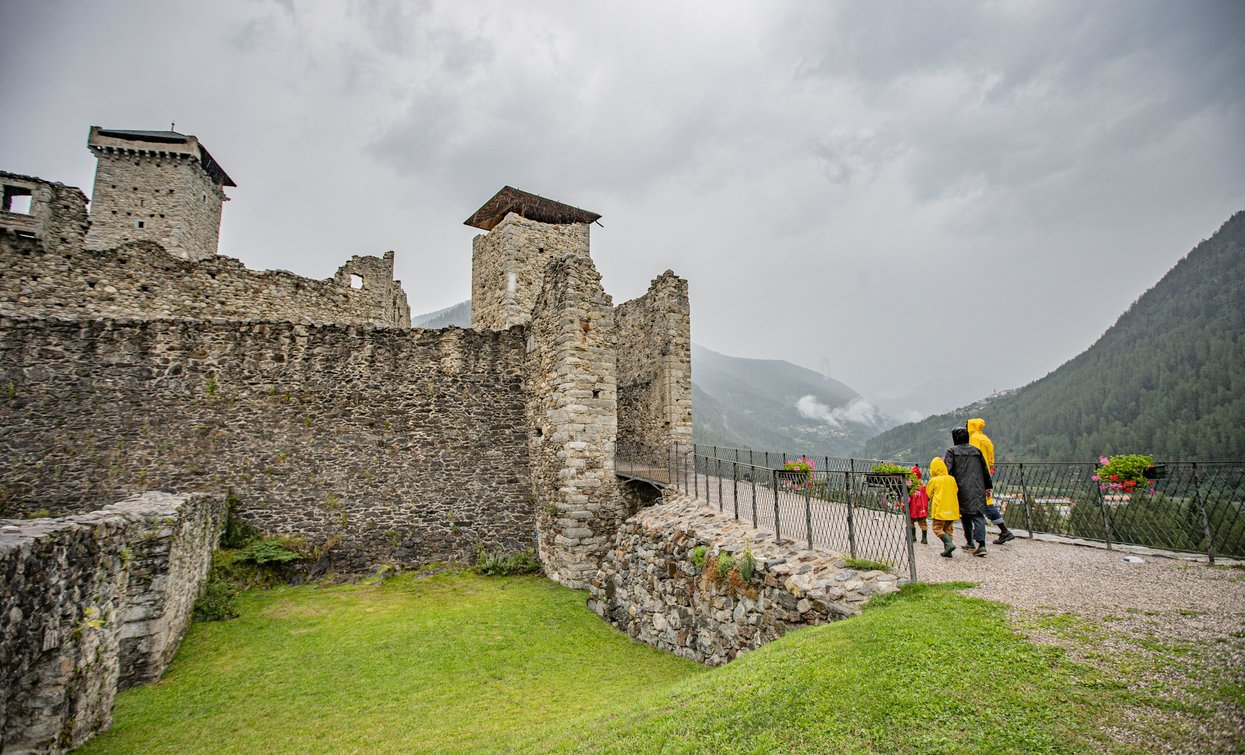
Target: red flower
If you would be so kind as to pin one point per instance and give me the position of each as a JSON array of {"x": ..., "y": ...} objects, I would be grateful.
[{"x": 1115, "y": 478}]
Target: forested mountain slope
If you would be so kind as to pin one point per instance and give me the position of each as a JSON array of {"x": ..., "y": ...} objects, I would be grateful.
[{"x": 1168, "y": 379}]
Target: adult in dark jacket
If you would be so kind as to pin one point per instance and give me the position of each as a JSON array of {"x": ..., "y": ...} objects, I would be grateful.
[{"x": 966, "y": 464}]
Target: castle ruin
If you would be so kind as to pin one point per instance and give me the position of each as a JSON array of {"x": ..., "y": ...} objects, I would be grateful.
[{"x": 135, "y": 359}]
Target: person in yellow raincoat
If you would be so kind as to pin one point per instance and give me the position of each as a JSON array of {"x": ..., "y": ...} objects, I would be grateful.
[
  {"x": 944, "y": 503},
  {"x": 979, "y": 440}
]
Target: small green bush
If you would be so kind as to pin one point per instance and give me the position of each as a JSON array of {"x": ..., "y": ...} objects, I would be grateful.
[
  {"x": 726, "y": 562},
  {"x": 264, "y": 552},
  {"x": 218, "y": 601},
  {"x": 496, "y": 565},
  {"x": 698, "y": 557},
  {"x": 747, "y": 564}
]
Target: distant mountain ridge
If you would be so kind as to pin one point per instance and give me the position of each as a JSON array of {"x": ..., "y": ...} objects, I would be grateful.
[
  {"x": 458, "y": 314},
  {"x": 1167, "y": 379},
  {"x": 764, "y": 404}
]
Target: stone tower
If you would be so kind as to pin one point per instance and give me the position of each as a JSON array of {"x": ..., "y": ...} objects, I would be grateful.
[
  {"x": 525, "y": 233},
  {"x": 158, "y": 186}
]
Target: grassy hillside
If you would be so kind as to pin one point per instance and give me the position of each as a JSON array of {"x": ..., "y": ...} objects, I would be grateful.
[
  {"x": 461, "y": 663},
  {"x": 1167, "y": 379}
]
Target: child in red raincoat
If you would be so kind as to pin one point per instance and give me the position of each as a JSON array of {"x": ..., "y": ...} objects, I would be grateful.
[{"x": 918, "y": 508}]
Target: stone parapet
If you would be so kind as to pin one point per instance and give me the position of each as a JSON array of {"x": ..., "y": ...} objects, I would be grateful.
[
  {"x": 92, "y": 603},
  {"x": 650, "y": 587},
  {"x": 56, "y": 215},
  {"x": 138, "y": 280}
]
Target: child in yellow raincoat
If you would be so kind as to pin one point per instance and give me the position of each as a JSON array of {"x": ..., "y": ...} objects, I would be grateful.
[{"x": 944, "y": 503}]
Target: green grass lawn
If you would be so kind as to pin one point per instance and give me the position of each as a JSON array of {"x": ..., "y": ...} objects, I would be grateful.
[{"x": 458, "y": 662}]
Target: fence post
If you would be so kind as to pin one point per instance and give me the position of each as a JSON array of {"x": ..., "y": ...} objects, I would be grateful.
[
  {"x": 1106, "y": 520},
  {"x": 753, "y": 475},
  {"x": 808, "y": 512},
  {"x": 1201, "y": 504},
  {"x": 717, "y": 467},
  {"x": 909, "y": 531},
  {"x": 696, "y": 472},
  {"x": 735, "y": 488},
  {"x": 777, "y": 521},
  {"x": 1024, "y": 496},
  {"x": 851, "y": 519}
]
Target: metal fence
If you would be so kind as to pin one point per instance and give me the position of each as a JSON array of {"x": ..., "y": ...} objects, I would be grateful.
[
  {"x": 846, "y": 510},
  {"x": 1197, "y": 507}
]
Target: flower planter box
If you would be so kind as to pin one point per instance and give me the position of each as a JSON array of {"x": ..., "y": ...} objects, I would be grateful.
[
  {"x": 1155, "y": 472},
  {"x": 793, "y": 475},
  {"x": 885, "y": 480}
]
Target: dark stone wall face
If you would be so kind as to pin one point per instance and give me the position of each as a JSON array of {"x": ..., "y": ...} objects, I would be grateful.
[{"x": 376, "y": 444}]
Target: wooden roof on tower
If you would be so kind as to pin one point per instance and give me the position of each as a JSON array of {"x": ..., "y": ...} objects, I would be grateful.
[{"x": 527, "y": 205}]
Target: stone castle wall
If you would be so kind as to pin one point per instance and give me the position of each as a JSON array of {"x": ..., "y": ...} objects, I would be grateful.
[
  {"x": 57, "y": 213},
  {"x": 166, "y": 198},
  {"x": 140, "y": 280},
  {"x": 572, "y": 418},
  {"x": 375, "y": 444},
  {"x": 650, "y": 586},
  {"x": 508, "y": 264},
  {"x": 91, "y": 603},
  {"x": 655, "y": 369}
]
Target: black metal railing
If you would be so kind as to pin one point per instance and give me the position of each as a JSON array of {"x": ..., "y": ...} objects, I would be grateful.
[
  {"x": 1195, "y": 507},
  {"x": 847, "y": 510}
]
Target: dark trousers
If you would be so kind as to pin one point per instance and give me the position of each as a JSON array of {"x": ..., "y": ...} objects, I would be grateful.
[{"x": 974, "y": 528}]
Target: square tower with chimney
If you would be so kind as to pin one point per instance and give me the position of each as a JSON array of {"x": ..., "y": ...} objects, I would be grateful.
[
  {"x": 525, "y": 233},
  {"x": 159, "y": 186}
]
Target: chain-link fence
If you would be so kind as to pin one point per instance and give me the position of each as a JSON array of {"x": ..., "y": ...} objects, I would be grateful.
[{"x": 1194, "y": 507}]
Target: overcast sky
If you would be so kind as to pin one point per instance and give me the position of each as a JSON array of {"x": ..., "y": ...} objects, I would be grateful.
[{"x": 889, "y": 192}]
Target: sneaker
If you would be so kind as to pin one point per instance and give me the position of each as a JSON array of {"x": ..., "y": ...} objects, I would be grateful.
[
  {"x": 1009, "y": 535},
  {"x": 980, "y": 551}
]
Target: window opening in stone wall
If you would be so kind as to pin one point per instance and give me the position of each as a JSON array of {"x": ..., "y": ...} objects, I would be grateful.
[
  {"x": 138, "y": 224},
  {"x": 356, "y": 281},
  {"x": 17, "y": 199}
]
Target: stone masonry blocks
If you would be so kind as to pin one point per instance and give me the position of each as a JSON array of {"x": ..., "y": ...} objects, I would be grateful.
[
  {"x": 90, "y": 602},
  {"x": 378, "y": 444},
  {"x": 571, "y": 395},
  {"x": 508, "y": 265},
  {"x": 139, "y": 280},
  {"x": 655, "y": 370},
  {"x": 165, "y": 198},
  {"x": 650, "y": 586}
]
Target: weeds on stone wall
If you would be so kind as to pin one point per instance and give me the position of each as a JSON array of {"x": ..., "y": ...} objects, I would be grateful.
[
  {"x": 864, "y": 564},
  {"x": 747, "y": 564},
  {"x": 698, "y": 557},
  {"x": 726, "y": 573}
]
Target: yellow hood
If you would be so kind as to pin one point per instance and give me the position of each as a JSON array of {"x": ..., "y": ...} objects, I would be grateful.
[
  {"x": 976, "y": 425},
  {"x": 937, "y": 467}
]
